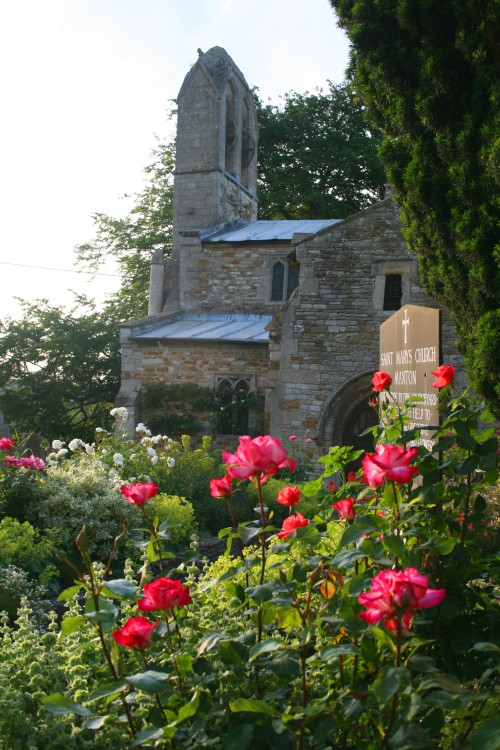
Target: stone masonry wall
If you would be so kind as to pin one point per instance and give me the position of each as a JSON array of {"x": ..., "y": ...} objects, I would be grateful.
[
  {"x": 328, "y": 335},
  {"x": 185, "y": 362},
  {"x": 228, "y": 278}
]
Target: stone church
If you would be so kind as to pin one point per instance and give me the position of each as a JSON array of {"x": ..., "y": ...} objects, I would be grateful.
[{"x": 287, "y": 309}]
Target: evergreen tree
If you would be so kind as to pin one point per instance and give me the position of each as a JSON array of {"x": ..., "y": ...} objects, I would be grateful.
[{"x": 428, "y": 71}]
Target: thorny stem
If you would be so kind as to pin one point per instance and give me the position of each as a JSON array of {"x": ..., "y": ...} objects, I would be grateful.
[
  {"x": 154, "y": 533},
  {"x": 172, "y": 653},
  {"x": 94, "y": 592},
  {"x": 399, "y": 633},
  {"x": 158, "y": 701}
]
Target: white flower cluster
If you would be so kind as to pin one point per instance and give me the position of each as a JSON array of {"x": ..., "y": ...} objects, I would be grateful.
[
  {"x": 119, "y": 412},
  {"x": 143, "y": 430},
  {"x": 118, "y": 460},
  {"x": 75, "y": 444}
]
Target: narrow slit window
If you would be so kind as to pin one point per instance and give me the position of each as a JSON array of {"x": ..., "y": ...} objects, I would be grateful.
[
  {"x": 393, "y": 291},
  {"x": 285, "y": 280}
]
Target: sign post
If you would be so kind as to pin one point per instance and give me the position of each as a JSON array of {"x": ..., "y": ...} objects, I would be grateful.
[{"x": 410, "y": 349}]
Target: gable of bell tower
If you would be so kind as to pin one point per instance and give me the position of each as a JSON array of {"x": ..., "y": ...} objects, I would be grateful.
[{"x": 216, "y": 149}]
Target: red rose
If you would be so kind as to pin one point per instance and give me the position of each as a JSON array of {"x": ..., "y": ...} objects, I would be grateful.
[
  {"x": 444, "y": 376},
  {"x": 289, "y": 496},
  {"x": 136, "y": 633},
  {"x": 291, "y": 524},
  {"x": 389, "y": 462},
  {"x": 221, "y": 487},
  {"x": 6, "y": 444},
  {"x": 140, "y": 493},
  {"x": 345, "y": 509},
  {"x": 164, "y": 593},
  {"x": 381, "y": 380}
]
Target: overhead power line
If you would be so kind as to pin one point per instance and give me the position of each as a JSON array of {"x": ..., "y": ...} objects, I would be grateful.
[{"x": 64, "y": 270}]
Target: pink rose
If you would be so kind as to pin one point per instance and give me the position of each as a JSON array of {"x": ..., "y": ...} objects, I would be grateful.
[
  {"x": 136, "y": 633},
  {"x": 397, "y": 593},
  {"x": 26, "y": 462},
  {"x": 381, "y": 380},
  {"x": 140, "y": 493},
  {"x": 444, "y": 376},
  {"x": 163, "y": 594},
  {"x": 221, "y": 487},
  {"x": 289, "y": 496},
  {"x": 257, "y": 459},
  {"x": 291, "y": 524},
  {"x": 389, "y": 462},
  {"x": 345, "y": 509}
]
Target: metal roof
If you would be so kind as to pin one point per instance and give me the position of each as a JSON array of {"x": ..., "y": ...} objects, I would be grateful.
[
  {"x": 268, "y": 231},
  {"x": 210, "y": 327}
]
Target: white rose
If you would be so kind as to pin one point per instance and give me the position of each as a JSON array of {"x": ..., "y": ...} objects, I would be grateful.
[
  {"x": 170, "y": 462},
  {"x": 57, "y": 444}
]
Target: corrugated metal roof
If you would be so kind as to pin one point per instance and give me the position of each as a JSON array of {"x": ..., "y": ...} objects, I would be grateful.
[
  {"x": 210, "y": 327},
  {"x": 268, "y": 231}
]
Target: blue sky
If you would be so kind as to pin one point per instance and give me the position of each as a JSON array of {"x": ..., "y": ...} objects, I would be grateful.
[{"x": 87, "y": 85}]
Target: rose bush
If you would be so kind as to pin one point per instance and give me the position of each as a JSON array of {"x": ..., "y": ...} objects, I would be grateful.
[{"x": 369, "y": 630}]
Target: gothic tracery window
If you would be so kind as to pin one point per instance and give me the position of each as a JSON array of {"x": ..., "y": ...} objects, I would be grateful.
[{"x": 233, "y": 417}]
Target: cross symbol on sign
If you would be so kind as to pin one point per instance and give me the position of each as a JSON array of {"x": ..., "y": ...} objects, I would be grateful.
[{"x": 405, "y": 323}]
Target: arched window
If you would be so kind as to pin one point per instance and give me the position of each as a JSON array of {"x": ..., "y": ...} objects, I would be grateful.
[
  {"x": 285, "y": 280},
  {"x": 233, "y": 416},
  {"x": 247, "y": 146},
  {"x": 231, "y": 130}
]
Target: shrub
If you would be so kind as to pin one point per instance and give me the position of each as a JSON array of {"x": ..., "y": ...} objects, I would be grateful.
[
  {"x": 80, "y": 492},
  {"x": 25, "y": 547},
  {"x": 178, "y": 511}
]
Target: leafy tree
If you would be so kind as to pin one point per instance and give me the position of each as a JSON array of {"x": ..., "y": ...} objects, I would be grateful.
[
  {"x": 59, "y": 373},
  {"x": 428, "y": 71},
  {"x": 317, "y": 156},
  {"x": 131, "y": 241}
]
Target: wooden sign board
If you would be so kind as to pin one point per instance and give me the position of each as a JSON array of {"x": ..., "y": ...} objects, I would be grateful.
[{"x": 410, "y": 349}]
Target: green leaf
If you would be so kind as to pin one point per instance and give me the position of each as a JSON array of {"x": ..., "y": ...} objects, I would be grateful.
[
  {"x": 364, "y": 525},
  {"x": 395, "y": 544},
  {"x": 307, "y": 535},
  {"x": 288, "y": 617},
  {"x": 390, "y": 681},
  {"x": 70, "y": 624},
  {"x": 347, "y": 558},
  {"x": 440, "y": 680},
  {"x": 265, "y": 647},
  {"x": 232, "y": 652},
  {"x": 239, "y": 738},
  {"x": 121, "y": 589},
  {"x": 256, "y": 707},
  {"x": 284, "y": 664},
  {"x": 109, "y": 689},
  {"x": 96, "y": 722},
  {"x": 149, "y": 682},
  {"x": 189, "y": 709},
  {"x": 147, "y": 735},
  {"x": 263, "y": 592},
  {"x": 248, "y": 533},
  {"x": 485, "y": 646},
  {"x": 486, "y": 737},
  {"x": 58, "y": 704},
  {"x": 69, "y": 593},
  {"x": 210, "y": 642},
  {"x": 441, "y": 544}
]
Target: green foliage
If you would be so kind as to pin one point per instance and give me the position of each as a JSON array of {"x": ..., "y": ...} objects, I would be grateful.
[
  {"x": 132, "y": 240},
  {"x": 59, "y": 373},
  {"x": 317, "y": 156},
  {"x": 186, "y": 408},
  {"x": 80, "y": 492},
  {"x": 190, "y": 478},
  {"x": 178, "y": 512},
  {"x": 428, "y": 73},
  {"x": 271, "y": 651},
  {"x": 25, "y": 547}
]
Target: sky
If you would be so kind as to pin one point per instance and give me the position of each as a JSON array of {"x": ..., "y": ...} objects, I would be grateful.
[{"x": 86, "y": 86}]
